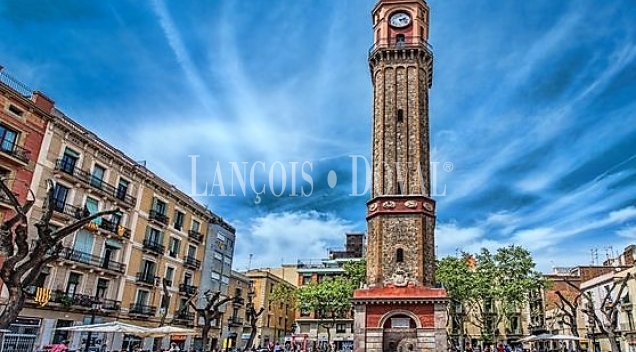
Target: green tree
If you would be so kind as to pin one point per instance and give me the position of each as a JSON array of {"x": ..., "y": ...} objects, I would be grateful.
[
  {"x": 489, "y": 289},
  {"x": 330, "y": 300},
  {"x": 456, "y": 275},
  {"x": 356, "y": 272}
]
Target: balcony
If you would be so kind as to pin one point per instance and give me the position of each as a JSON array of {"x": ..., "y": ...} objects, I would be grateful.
[
  {"x": 238, "y": 301},
  {"x": 192, "y": 262},
  {"x": 195, "y": 236},
  {"x": 142, "y": 309},
  {"x": 146, "y": 279},
  {"x": 76, "y": 301},
  {"x": 235, "y": 321},
  {"x": 115, "y": 228},
  {"x": 158, "y": 217},
  {"x": 187, "y": 289},
  {"x": 182, "y": 317},
  {"x": 117, "y": 194},
  {"x": 152, "y": 246},
  {"x": 404, "y": 43},
  {"x": 88, "y": 259},
  {"x": 15, "y": 152},
  {"x": 67, "y": 210}
]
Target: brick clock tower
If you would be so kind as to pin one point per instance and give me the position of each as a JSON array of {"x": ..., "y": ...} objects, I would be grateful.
[{"x": 400, "y": 309}]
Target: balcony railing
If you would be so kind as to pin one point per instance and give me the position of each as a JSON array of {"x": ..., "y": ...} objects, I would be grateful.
[
  {"x": 15, "y": 151},
  {"x": 118, "y": 193},
  {"x": 401, "y": 43},
  {"x": 182, "y": 317},
  {"x": 192, "y": 262},
  {"x": 67, "y": 209},
  {"x": 158, "y": 217},
  {"x": 195, "y": 236},
  {"x": 187, "y": 289},
  {"x": 69, "y": 300},
  {"x": 114, "y": 228},
  {"x": 235, "y": 321},
  {"x": 15, "y": 84},
  {"x": 238, "y": 301},
  {"x": 146, "y": 278},
  {"x": 91, "y": 260},
  {"x": 153, "y": 246},
  {"x": 142, "y": 309}
]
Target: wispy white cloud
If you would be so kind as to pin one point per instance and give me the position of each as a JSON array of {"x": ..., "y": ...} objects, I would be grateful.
[{"x": 277, "y": 238}]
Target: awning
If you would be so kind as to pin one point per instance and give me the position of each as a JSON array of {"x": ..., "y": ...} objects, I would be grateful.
[{"x": 113, "y": 243}]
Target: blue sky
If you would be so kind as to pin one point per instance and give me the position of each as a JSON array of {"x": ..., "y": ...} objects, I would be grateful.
[{"x": 532, "y": 102}]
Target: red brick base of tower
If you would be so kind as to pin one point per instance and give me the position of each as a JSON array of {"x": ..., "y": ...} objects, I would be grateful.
[{"x": 400, "y": 319}]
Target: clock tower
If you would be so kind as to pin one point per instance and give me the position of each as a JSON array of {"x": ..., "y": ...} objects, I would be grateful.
[{"x": 400, "y": 309}]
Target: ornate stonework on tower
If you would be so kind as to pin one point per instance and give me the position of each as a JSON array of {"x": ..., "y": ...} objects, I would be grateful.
[{"x": 401, "y": 309}]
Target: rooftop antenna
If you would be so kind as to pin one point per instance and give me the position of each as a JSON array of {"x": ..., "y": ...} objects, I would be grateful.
[
  {"x": 594, "y": 253},
  {"x": 249, "y": 263}
]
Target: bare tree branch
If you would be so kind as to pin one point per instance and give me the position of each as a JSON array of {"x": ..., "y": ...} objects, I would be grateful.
[{"x": 65, "y": 231}]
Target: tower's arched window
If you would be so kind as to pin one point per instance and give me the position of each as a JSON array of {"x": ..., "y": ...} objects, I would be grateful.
[
  {"x": 400, "y": 39},
  {"x": 400, "y": 116},
  {"x": 399, "y": 255}
]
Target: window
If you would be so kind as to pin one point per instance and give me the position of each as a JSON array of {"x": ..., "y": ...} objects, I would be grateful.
[
  {"x": 148, "y": 269},
  {"x": 218, "y": 256},
  {"x": 165, "y": 301},
  {"x": 92, "y": 207},
  {"x": 116, "y": 219},
  {"x": 400, "y": 39},
  {"x": 225, "y": 280},
  {"x": 227, "y": 260},
  {"x": 60, "y": 193},
  {"x": 142, "y": 297},
  {"x": 159, "y": 206},
  {"x": 187, "y": 279},
  {"x": 304, "y": 312},
  {"x": 400, "y": 116},
  {"x": 306, "y": 280},
  {"x": 215, "y": 276},
  {"x": 400, "y": 323},
  {"x": 153, "y": 235},
  {"x": 97, "y": 177},
  {"x": 192, "y": 251},
  {"x": 169, "y": 276},
  {"x": 341, "y": 328},
  {"x": 74, "y": 280},
  {"x": 122, "y": 189},
  {"x": 8, "y": 139},
  {"x": 175, "y": 243},
  {"x": 68, "y": 161},
  {"x": 196, "y": 225},
  {"x": 40, "y": 281},
  {"x": 399, "y": 255},
  {"x": 102, "y": 288},
  {"x": 220, "y": 237},
  {"x": 15, "y": 110},
  {"x": 238, "y": 292},
  {"x": 178, "y": 220}
]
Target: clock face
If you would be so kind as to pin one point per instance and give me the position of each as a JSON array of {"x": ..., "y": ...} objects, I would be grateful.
[{"x": 400, "y": 19}]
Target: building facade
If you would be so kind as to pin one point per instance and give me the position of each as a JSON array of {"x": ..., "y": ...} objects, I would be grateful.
[
  {"x": 23, "y": 118},
  {"x": 277, "y": 321},
  {"x": 238, "y": 327},
  {"x": 139, "y": 265}
]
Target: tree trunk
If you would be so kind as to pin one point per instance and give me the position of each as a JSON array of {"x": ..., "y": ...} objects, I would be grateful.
[
  {"x": 14, "y": 304},
  {"x": 250, "y": 341},
  {"x": 205, "y": 332},
  {"x": 612, "y": 340}
]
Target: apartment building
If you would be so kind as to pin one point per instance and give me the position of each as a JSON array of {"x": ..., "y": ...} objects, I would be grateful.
[
  {"x": 23, "y": 119},
  {"x": 117, "y": 267},
  {"x": 238, "y": 326},
  {"x": 309, "y": 329},
  {"x": 277, "y": 321}
]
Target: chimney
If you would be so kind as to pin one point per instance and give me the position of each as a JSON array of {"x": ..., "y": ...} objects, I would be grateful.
[{"x": 42, "y": 101}]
